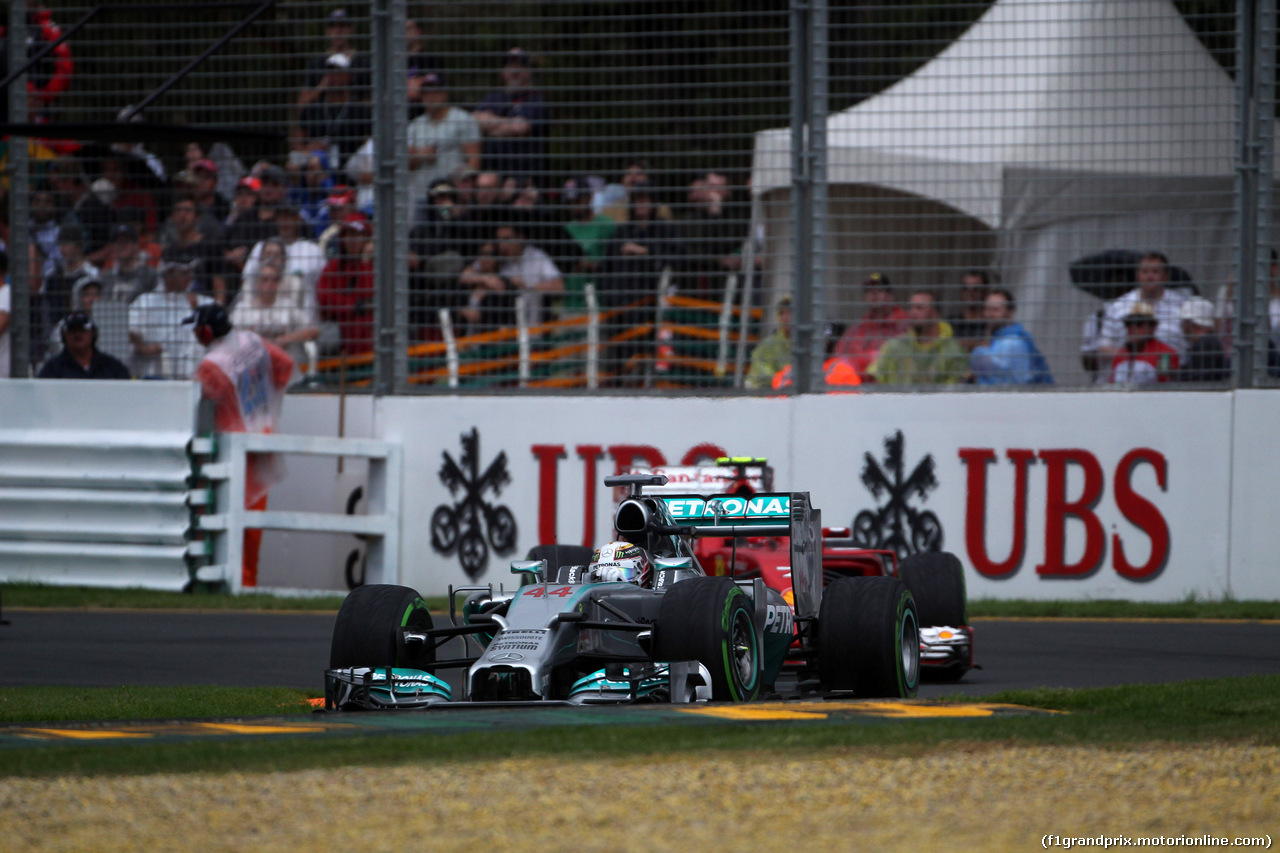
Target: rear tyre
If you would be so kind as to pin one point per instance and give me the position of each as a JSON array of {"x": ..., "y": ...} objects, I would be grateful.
[
  {"x": 869, "y": 638},
  {"x": 370, "y": 629},
  {"x": 936, "y": 581},
  {"x": 711, "y": 620}
]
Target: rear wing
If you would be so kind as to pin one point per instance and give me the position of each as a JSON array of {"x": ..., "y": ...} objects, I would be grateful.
[{"x": 789, "y": 514}]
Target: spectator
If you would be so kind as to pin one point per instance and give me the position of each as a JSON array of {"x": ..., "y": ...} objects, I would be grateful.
[
  {"x": 640, "y": 249},
  {"x": 206, "y": 196},
  {"x": 1144, "y": 358},
  {"x": 60, "y": 288},
  {"x": 273, "y": 190},
  {"x": 332, "y": 115},
  {"x": 134, "y": 204},
  {"x": 6, "y": 306},
  {"x": 528, "y": 270},
  {"x": 345, "y": 289},
  {"x": 244, "y": 205},
  {"x": 439, "y": 247},
  {"x": 1010, "y": 357},
  {"x": 514, "y": 122},
  {"x": 714, "y": 233},
  {"x": 773, "y": 354},
  {"x": 589, "y": 235},
  {"x": 969, "y": 322},
  {"x": 1153, "y": 280},
  {"x": 161, "y": 349},
  {"x": 418, "y": 64},
  {"x": 245, "y": 377},
  {"x": 281, "y": 321},
  {"x": 83, "y": 208},
  {"x": 298, "y": 256},
  {"x": 339, "y": 34},
  {"x": 44, "y": 227},
  {"x": 1206, "y": 359},
  {"x": 491, "y": 304},
  {"x": 184, "y": 240},
  {"x": 80, "y": 357},
  {"x": 881, "y": 320},
  {"x": 925, "y": 354},
  {"x": 441, "y": 140}
]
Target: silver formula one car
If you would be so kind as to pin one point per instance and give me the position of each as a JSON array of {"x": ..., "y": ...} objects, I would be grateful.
[{"x": 566, "y": 636}]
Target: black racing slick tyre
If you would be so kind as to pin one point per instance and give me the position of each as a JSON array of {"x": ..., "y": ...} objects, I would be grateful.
[
  {"x": 710, "y": 620},
  {"x": 370, "y": 629},
  {"x": 936, "y": 581},
  {"x": 869, "y": 638}
]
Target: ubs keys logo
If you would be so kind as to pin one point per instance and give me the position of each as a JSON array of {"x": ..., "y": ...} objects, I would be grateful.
[
  {"x": 897, "y": 525},
  {"x": 468, "y": 523}
]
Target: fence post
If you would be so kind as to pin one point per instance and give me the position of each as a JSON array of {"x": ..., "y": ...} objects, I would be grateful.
[
  {"x": 20, "y": 283},
  {"x": 391, "y": 168}
]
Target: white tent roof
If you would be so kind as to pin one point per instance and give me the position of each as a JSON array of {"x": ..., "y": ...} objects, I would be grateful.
[{"x": 1043, "y": 88}]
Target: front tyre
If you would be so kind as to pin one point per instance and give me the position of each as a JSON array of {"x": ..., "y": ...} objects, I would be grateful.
[
  {"x": 869, "y": 638},
  {"x": 936, "y": 581},
  {"x": 710, "y": 620},
  {"x": 370, "y": 627}
]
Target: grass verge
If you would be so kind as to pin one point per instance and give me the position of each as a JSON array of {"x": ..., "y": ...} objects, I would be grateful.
[
  {"x": 41, "y": 595},
  {"x": 1223, "y": 710}
]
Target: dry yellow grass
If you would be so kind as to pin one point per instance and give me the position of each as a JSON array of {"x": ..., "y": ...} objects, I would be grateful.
[{"x": 978, "y": 797}]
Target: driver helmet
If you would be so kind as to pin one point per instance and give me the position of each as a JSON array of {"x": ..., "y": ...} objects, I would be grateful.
[{"x": 621, "y": 561}]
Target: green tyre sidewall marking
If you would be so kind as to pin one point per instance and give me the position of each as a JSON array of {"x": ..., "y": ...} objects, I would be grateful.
[
  {"x": 734, "y": 603},
  {"x": 907, "y": 688}
]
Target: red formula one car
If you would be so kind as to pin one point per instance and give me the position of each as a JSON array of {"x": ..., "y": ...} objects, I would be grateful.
[{"x": 935, "y": 578}]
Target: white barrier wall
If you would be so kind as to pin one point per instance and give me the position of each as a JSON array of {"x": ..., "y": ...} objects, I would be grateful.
[
  {"x": 1122, "y": 495},
  {"x": 1046, "y": 496}
]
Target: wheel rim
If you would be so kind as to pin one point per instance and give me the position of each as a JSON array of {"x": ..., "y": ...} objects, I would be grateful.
[
  {"x": 909, "y": 644},
  {"x": 744, "y": 651}
]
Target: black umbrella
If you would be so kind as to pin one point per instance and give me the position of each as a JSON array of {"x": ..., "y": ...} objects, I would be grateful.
[{"x": 1113, "y": 273}]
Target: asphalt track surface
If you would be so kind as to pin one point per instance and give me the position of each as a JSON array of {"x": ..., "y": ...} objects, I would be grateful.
[{"x": 108, "y": 648}]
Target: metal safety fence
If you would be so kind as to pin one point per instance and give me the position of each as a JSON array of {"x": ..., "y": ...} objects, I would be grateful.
[{"x": 700, "y": 197}]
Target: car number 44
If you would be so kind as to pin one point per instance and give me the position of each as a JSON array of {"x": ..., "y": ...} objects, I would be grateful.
[{"x": 539, "y": 591}]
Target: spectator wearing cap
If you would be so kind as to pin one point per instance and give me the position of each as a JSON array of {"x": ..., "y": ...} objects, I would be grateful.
[
  {"x": 80, "y": 357},
  {"x": 881, "y": 321},
  {"x": 515, "y": 122},
  {"x": 925, "y": 354},
  {"x": 345, "y": 290},
  {"x": 128, "y": 275},
  {"x": 1144, "y": 358},
  {"x": 83, "y": 207},
  {"x": 1153, "y": 289},
  {"x": 332, "y": 116},
  {"x": 162, "y": 349},
  {"x": 442, "y": 139},
  {"x": 59, "y": 288},
  {"x": 1010, "y": 356},
  {"x": 589, "y": 234},
  {"x": 640, "y": 249},
  {"x": 205, "y": 192},
  {"x": 419, "y": 62},
  {"x": 244, "y": 377},
  {"x": 439, "y": 248},
  {"x": 244, "y": 205},
  {"x": 1206, "y": 359}
]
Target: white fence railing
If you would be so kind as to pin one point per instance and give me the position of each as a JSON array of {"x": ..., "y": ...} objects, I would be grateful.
[{"x": 224, "y": 526}]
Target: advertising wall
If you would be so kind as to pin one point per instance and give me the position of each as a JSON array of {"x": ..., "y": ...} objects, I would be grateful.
[{"x": 1153, "y": 497}]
